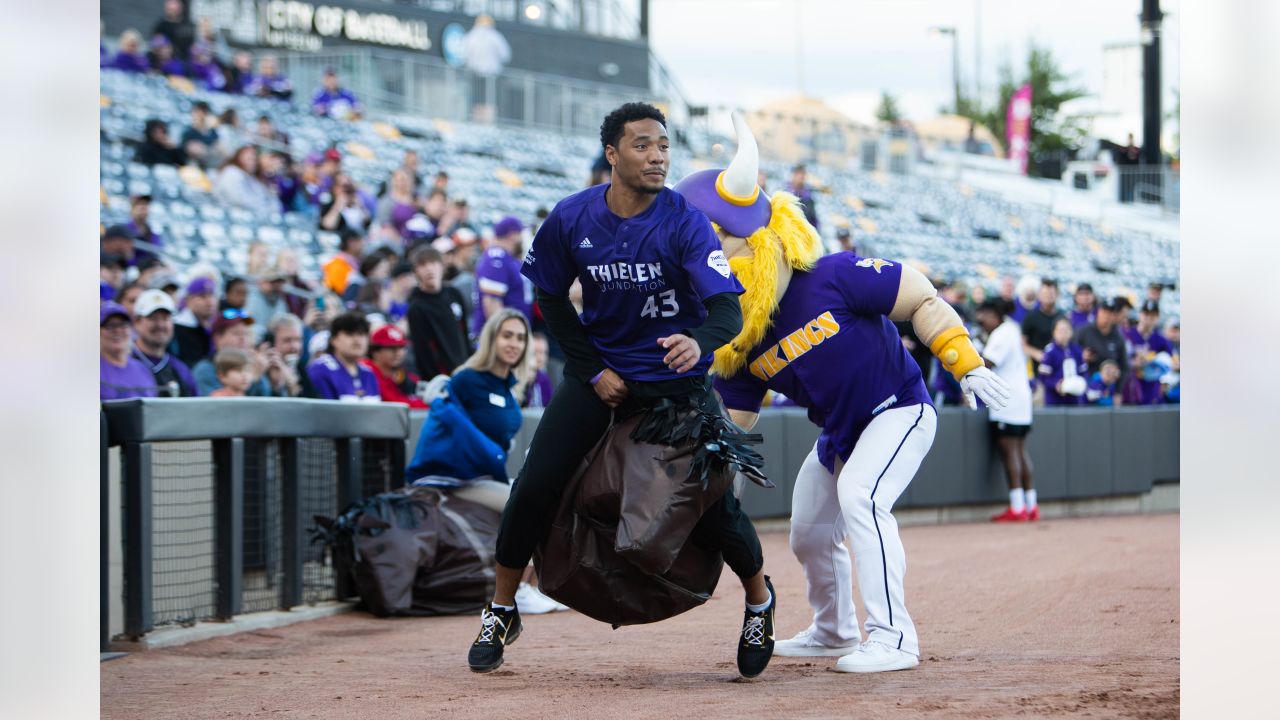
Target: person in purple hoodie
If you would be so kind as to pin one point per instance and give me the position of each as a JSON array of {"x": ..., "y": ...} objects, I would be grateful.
[
  {"x": 1062, "y": 369},
  {"x": 338, "y": 374},
  {"x": 162, "y": 59},
  {"x": 1147, "y": 346},
  {"x": 130, "y": 57},
  {"x": 269, "y": 82},
  {"x": 204, "y": 70},
  {"x": 334, "y": 101}
]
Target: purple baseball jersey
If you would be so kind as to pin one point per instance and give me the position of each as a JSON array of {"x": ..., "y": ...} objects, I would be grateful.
[
  {"x": 643, "y": 277},
  {"x": 338, "y": 104},
  {"x": 332, "y": 381},
  {"x": 1060, "y": 362},
  {"x": 833, "y": 351},
  {"x": 498, "y": 275},
  {"x": 1080, "y": 317},
  {"x": 1144, "y": 351}
]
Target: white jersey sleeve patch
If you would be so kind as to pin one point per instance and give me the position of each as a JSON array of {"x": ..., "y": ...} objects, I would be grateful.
[{"x": 718, "y": 262}]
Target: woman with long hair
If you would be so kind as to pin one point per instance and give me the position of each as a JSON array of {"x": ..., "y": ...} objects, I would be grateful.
[{"x": 240, "y": 183}]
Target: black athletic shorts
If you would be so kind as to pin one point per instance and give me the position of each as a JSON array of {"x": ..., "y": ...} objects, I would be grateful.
[{"x": 1004, "y": 429}]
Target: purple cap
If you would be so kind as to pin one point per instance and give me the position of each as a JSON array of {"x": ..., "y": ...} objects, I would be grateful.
[
  {"x": 110, "y": 308},
  {"x": 699, "y": 190},
  {"x": 201, "y": 286},
  {"x": 106, "y": 291},
  {"x": 159, "y": 41},
  {"x": 507, "y": 225},
  {"x": 314, "y": 158}
]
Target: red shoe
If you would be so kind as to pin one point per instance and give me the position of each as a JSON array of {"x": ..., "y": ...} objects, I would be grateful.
[
  {"x": 1010, "y": 515},
  {"x": 1033, "y": 514}
]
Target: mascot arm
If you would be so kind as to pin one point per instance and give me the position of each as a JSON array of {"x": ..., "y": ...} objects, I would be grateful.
[
  {"x": 935, "y": 322},
  {"x": 744, "y": 419},
  {"x": 582, "y": 359}
]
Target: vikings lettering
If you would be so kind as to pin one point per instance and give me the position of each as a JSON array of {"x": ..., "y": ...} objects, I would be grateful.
[{"x": 774, "y": 359}]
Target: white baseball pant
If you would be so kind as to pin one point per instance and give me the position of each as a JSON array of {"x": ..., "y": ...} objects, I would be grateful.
[{"x": 857, "y": 502}]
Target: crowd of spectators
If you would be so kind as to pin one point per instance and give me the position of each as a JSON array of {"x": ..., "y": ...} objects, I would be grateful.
[{"x": 406, "y": 295}]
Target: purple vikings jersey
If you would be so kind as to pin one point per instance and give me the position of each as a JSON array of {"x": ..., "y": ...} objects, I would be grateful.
[
  {"x": 833, "y": 351},
  {"x": 1144, "y": 353},
  {"x": 643, "y": 277},
  {"x": 332, "y": 381},
  {"x": 1058, "y": 363},
  {"x": 498, "y": 275}
]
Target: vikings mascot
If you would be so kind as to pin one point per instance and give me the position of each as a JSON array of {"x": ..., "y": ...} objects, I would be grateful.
[{"x": 819, "y": 330}]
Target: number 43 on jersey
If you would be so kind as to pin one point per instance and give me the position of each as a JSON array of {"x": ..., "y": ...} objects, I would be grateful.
[{"x": 669, "y": 305}]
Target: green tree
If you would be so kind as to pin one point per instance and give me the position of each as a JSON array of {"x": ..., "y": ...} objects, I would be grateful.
[
  {"x": 888, "y": 110},
  {"x": 1051, "y": 87}
]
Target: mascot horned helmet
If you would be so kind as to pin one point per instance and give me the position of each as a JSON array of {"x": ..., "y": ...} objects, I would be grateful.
[{"x": 765, "y": 239}]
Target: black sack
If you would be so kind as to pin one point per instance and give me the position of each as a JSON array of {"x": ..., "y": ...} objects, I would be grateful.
[{"x": 416, "y": 551}]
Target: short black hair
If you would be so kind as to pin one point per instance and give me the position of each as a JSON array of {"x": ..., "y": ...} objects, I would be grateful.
[
  {"x": 425, "y": 254},
  {"x": 614, "y": 123},
  {"x": 1049, "y": 282},
  {"x": 351, "y": 323},
  {"x": 347, "y": 237},
  {"x": 996, "y": 305}
]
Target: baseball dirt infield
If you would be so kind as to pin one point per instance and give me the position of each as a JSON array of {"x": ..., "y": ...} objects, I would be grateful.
[{"x": 1052, "y": 619}]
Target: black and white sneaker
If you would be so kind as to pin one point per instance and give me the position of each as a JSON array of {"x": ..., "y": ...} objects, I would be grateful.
[
  {"x": 755, "y": 647},
  {"x": 498, "y": 628}
]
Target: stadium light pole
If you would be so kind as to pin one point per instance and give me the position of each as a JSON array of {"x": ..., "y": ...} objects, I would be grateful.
[{"x": 955, "y": 60}]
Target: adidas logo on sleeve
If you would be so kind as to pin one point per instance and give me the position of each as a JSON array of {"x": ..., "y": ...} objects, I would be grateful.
[{"x": 586, "y": 243}]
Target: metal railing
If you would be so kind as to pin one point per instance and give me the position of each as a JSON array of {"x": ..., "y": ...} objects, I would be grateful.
[
  {"x": 215, "y": 499},
  {"x": 388, "y": 82}
]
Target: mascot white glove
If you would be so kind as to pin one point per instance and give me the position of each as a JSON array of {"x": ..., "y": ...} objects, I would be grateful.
[{"x": 986, "y": 385}]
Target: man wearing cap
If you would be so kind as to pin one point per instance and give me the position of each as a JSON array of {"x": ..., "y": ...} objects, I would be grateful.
[
  {"x": 140, "y": 228},
  {"x": 153, "y": 323},
  {"x": 387, "y": 348},
  {"x": 119, "y": 374},
  {"x": 499, "y": 283},
  {"x": 233, "y": 329},
  {"x": 1084, "y": 311},
  {"x": 1102, "y": 340},
  {"x": 334, "y": 101},
  {"x": 118, "y": 241},
  {"x": 1151, "y": 353},
  {"x": 191, "y": 327},
  {"x": 111, "y": 270},
  {"x": 845, "y": 238}
]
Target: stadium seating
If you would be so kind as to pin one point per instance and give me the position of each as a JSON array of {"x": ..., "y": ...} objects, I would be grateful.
[{"x": 947, "y": 229}]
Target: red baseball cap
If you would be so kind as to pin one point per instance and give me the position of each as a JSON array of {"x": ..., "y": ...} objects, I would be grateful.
[{"x": 387, "y": 336}]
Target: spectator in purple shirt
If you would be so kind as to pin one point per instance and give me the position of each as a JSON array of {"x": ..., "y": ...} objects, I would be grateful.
[
  {"x": 1152, "y": 355},
  {"x": 204, "y": 70},
  {"x": 162, "y": 60},
  {"x": 1084, "y": 311},
  {"x": 119, "y": 374},
  {"x": 269, "y": 82},
  {"x": 499, "y": 283},
  {"x": 130, "y": 57},
  {"x": 153, "y": 322},
  {"x": 334, "y": 101},
  {"x": 1062, "y": 369},
  {"x": 338, "y": 374}
]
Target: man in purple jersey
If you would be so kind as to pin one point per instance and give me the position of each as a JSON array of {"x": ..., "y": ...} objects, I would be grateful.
[
  {"x": 820, "y": 331},
  {"x": 658, "y": 299},
  {"x": 499, "y": 283},
  {"x": 1147, "y": 345},
  {"x": 333, "y": 100},
  {"x": 338, "y": 374}
]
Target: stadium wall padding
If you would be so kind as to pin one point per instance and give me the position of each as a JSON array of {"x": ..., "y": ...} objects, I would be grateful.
[{"x": 1075, "y": 453}]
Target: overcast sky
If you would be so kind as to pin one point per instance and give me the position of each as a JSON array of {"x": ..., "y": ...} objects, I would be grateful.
[{"x": 744, "y": 52}]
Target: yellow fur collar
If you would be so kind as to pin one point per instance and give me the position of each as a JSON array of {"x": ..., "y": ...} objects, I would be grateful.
[{"x": 788, "y": 243}]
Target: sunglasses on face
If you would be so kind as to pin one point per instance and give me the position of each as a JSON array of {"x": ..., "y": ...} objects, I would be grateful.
[
  {"x": 234, "y": 314},
  {"x": 113, "y": 325}
]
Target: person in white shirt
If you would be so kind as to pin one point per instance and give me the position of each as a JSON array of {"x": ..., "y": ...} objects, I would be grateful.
[{"x": 1003, "y": 353}]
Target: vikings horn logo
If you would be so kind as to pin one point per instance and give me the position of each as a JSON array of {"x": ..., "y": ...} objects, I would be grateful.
[{"x": 874, "y": 263}]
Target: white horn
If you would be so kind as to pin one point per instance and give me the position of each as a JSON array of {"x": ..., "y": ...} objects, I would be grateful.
[{"x": 740, "y": 177}]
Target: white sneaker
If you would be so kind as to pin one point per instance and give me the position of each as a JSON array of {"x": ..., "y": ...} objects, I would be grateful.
[
  {"x": 875, "y": 656},
  {"x": 804, "y": 645},
  {"x": 531, "y": 601}
]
